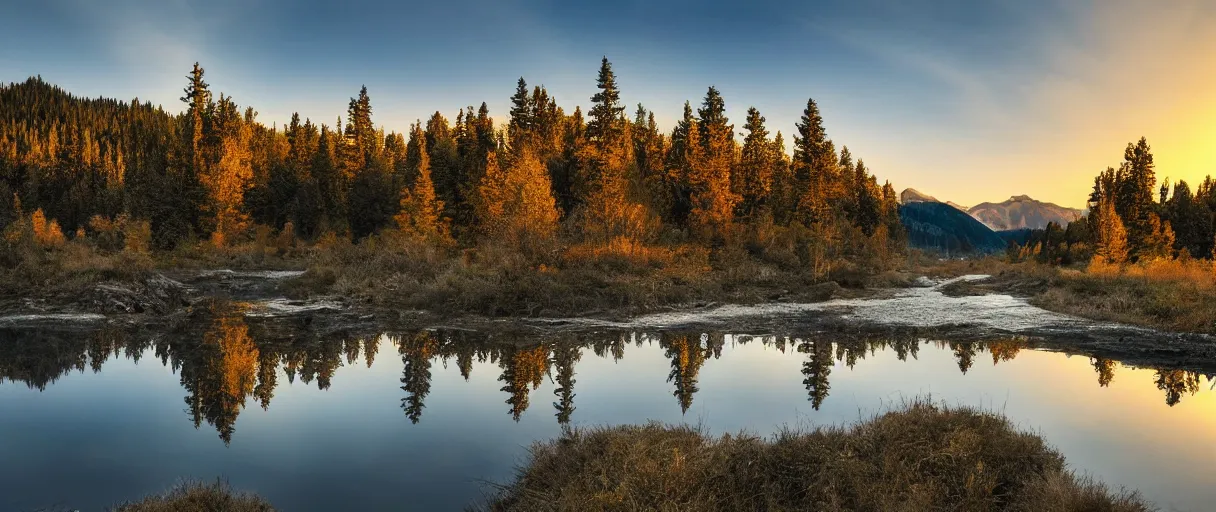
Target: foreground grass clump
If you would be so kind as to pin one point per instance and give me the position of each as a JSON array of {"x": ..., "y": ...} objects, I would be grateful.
[
  {"x": 199, "y": 497},
  {"x": 923, "y": 457}
]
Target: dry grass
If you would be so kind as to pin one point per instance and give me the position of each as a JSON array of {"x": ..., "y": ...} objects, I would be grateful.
[
  {"x": 620, "y": 277},
  {"x": 1167, "y": 294},
  {"x": 923, "y": 457},
  {"x": 68, "y": 268},
  {"x": 199, "y": 497}
]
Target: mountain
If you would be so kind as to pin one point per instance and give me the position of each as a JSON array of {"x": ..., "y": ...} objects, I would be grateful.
[
  {"x": 1022, "y": 212},
  {"x": 938, "y": 226},
  {"x": 911, "y": 195}
]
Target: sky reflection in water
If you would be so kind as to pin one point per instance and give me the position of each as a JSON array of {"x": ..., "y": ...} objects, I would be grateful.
[{"x": 392, "y": 422}]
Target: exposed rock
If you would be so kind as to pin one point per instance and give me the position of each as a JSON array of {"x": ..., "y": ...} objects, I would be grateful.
[{"x": 156, "y": 294}]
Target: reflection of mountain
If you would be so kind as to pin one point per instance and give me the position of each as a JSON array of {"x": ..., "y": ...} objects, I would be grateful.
[{"x": 231, "y": 361}]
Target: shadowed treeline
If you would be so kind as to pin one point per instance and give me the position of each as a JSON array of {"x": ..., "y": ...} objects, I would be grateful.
[{"x": 224, "y": 366}]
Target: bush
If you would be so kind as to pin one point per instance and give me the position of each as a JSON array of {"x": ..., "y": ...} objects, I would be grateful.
[{"x": 923, "y": 457}]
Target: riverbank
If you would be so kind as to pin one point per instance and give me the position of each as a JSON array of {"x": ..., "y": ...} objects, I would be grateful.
[
  {"x": 923, "y": 457},
  {"x": 1170, "y": 295},
  {"x": 391, "y": 275}
]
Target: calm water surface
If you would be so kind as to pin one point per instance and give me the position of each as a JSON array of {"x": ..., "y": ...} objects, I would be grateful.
[{"x": 420, "y": 420}]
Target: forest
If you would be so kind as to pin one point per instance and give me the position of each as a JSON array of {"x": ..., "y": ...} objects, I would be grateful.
[
  {"x": 548, "y": 187},
  {"x": 1132, "y": 220}
]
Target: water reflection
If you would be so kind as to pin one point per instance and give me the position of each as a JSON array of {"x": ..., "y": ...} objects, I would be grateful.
[{"x": 224, "y": 366}]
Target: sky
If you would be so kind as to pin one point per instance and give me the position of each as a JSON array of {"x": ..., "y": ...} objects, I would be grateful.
[{"x": 969, "y": 101}]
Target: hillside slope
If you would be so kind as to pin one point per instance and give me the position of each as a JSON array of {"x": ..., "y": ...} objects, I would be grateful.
[{"x": 941, "y": 227}]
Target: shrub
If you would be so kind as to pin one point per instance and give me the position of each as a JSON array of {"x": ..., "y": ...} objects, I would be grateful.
[{"x": 923, "y": 457}]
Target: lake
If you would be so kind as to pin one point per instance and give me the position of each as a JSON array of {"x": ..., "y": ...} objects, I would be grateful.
[{"x": 423, "y": 419}]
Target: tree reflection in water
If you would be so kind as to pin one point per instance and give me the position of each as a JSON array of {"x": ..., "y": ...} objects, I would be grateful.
[{"x": 230, "y": 360}]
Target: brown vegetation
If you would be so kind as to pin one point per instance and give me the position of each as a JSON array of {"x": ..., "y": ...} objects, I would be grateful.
[
  {"x": 1175, "y": 295},
  {"x": 924, "y": 457},
  {"x": 199, "y": 497}
]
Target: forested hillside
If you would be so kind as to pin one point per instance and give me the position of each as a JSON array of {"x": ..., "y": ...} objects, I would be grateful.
[
  {"x": 707, "y": 205},
  {"x": 940, "y": 227},
  {"x": 214, "y": 171}
]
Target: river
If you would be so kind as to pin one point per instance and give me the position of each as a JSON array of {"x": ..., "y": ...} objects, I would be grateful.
[{"x": 315, "y": 416}]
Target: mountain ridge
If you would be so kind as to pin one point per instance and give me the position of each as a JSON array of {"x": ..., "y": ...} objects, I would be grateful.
[{"x": 1018, "y": 212}]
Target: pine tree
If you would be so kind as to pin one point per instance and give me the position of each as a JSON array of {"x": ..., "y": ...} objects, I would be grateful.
[
  {"x": 603, "y": 183},
  {"x": 784, "y": 196},
  {"x": 604, "y": 128},
  {"x": 421, "y": 214},
  {"x": 814, "y": 165},
  {"x": 867, "y": 213},
  {"x": 373, "y": 199},
  {"x": 520, "y": 127},
  {"x": 198, "y": 110},
  {"x": 682, "y": 155},
  {"x": 713, "y": 201},
  {"x": 1136, "y": 181},
  {"x": 753, "y": 182}
]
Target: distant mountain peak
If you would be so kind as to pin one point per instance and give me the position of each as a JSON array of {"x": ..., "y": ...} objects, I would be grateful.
[
  {"x": 911, "y": 195},
  {"x": 1022, "y": 212}
]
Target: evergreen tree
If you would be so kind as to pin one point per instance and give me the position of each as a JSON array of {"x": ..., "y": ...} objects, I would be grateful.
[
  {"x": 227, "y": 179},
  {"x": 421, "y": 214},
  {"x": 713, "y": 201},
  {"x": 784, "y": 197},
  {"x": 867, "y": 213},
  {"x": 603, "y": 186},
  {"x": 604, "y": 128},
  {"x": 753, "y": 182},
  {"x": 1136, "y": 181},
  {"x": 520, "y": 127},
  {"x": 515, "y": 203},
  {"x": 416, "y": 354},
  {"x": 814, "y": 165}
]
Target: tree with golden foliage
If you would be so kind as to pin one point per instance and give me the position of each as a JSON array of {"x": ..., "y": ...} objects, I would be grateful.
[
  {"x": 230, "y": 176},
  {"x": 713, "y": 200},
  {"x": 1110, "y": 237},
  {"x": 1159, "y": 243},
  {"x": 46, "y": 234},
  {"x": 516, "y": 203},
  {"x": 421, "y": 215},
  {"x": 607, "y": 209}
]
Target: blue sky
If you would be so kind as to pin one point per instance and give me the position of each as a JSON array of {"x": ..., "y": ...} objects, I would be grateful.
[{"x": 966, "y": 100}]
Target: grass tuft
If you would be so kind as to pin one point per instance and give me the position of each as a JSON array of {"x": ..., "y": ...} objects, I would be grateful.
[
  {"x": 922, "y": 457},
  {"x": 199, "y": 497}
]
